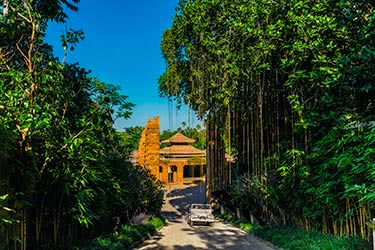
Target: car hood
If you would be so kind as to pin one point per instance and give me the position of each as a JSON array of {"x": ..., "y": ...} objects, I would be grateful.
[{"x": 201, "y": 212}]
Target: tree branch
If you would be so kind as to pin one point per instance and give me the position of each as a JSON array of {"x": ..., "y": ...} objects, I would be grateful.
[
  {"x": 63, "y": 115},
  {"x": 21, "y": 52}
]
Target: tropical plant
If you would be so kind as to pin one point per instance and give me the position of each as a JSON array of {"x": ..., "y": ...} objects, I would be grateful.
[
  {"x": 287, "y": 86},
  {"x": 59, "y": 147}
]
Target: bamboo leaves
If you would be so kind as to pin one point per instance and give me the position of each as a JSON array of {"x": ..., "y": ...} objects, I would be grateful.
[
  {"x": 4, "y": 218},
  {"x": 298, "y": 80},
  {"x": 61, "y": 160}
]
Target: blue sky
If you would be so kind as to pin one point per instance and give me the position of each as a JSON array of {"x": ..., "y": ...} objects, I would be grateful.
[{"x": 122, "y": 46}]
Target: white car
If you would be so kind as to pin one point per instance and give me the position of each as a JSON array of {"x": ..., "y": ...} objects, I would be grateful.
[{"x": 201, "y": 213}]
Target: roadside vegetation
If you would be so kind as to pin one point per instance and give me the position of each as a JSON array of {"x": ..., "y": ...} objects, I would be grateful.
[
  {"x": 64, "y": 175},
  {"x": 130, "y": 138},
  {"x": 287, "y": 88},
  {"x": 289, "y": 238},
  {"x": 298, "y": 239},
  {"x": 126, "y": 236}
]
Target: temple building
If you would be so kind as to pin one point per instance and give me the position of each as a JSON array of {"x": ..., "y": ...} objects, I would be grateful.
[
  {"x": 177, "y": 163},
  {"x": 182, "y": 162}
]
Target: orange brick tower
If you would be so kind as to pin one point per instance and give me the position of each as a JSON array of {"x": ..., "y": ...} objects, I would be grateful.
[{"x": 149, "y": 146}]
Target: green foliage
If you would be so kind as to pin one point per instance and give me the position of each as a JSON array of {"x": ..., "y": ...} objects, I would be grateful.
[
  {"x": 297, "y": 239},
  {"x": 132, "y": 190},
  {"x": 127, "y": 236},
  {"x": 63, "y": 161},
  {"x": 198, "y": 134},
  {"x": 343, "y": 169},
  {"x": 290, "y": 85},
  {"x": 129, "y": 138},
  {"x": 5, "y": 218},
  {"x": 156, "y": 222},
  {"x": 247, "y": 226}
]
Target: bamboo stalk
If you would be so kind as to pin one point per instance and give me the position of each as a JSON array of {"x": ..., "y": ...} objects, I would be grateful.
[
  {"x": 54, "y": 227},
  {"x": 354, "y": 228},
  {"x": 363, "y": 220},
  {"x": 341, "y": 228},
  {"x": 14, "y": 236},
  {"x": 325, "y": 226},
  {"x": 334, "y": 226},
  {"x": 24, "y": 235},
  {"x": 347, "y": 205},
  {"x": 360, "y": 219},
  {"x": 20, "y": 233}
]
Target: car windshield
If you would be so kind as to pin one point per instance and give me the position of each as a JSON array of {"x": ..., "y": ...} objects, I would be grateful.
[{"x": 200, "y": 206}]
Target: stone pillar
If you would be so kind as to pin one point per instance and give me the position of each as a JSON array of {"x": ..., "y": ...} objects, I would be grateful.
[
  {"x": 149, "y": 146},
  {"x": 165, "y": 173},
  {"x": 180, "y": 173}
]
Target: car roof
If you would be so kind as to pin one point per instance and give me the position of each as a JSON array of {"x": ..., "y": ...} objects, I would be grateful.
[{"x": 200, "y": 204}]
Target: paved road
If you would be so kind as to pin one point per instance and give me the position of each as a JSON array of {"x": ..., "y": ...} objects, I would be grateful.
[{"x": 179, "y": 235}]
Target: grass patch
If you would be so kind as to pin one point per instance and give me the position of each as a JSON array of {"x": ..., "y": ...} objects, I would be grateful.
[
  {"x": 247, "y": 226},
  {"x": 127, "y": 236},
  {"x": 297, "y": 239}
]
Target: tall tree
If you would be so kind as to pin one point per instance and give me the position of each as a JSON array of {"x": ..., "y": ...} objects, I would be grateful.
[
  {"x": 274, "y": 80},
  {"x": 61, "y": 162}
]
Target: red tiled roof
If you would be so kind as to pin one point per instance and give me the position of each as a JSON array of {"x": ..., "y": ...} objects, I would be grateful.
[{"x": 179, "y": 138}]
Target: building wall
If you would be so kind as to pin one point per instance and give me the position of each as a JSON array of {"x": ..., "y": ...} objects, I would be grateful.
[{"x": 167, "y": 167}]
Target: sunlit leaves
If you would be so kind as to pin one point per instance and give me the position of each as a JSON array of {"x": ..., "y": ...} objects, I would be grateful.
[
  {"x": 57, "y": 136},
  {"x": 314, "y": 60}
]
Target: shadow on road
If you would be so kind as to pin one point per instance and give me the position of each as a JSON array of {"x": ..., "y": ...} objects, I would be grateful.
[
  {"x": 215, "y": 238},
  {"x": 172, "y": 216},
  {"x": 182, "y": 197},
  {"x": 179, "y": 235},
  {"x": 185, "y": 247}
]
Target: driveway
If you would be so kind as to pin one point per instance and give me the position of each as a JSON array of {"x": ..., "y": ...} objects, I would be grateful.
[{"x": 179, "y": 235}]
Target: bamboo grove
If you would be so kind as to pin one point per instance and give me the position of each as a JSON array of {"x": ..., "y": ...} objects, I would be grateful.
[
  {"x": 287, "y": 89},
  {"x": 63, "y": 173}
]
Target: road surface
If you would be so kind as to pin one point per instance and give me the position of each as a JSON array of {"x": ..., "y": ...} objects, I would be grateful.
[{"x": 179, "y": 235}]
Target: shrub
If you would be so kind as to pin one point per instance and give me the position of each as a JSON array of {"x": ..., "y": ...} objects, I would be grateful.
[
  {"x": 297, "y": 239},
  {"x": 126, "y": 237},
  {"x": 156, "y": 222},
  {"x": 249, "y": 228}
]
